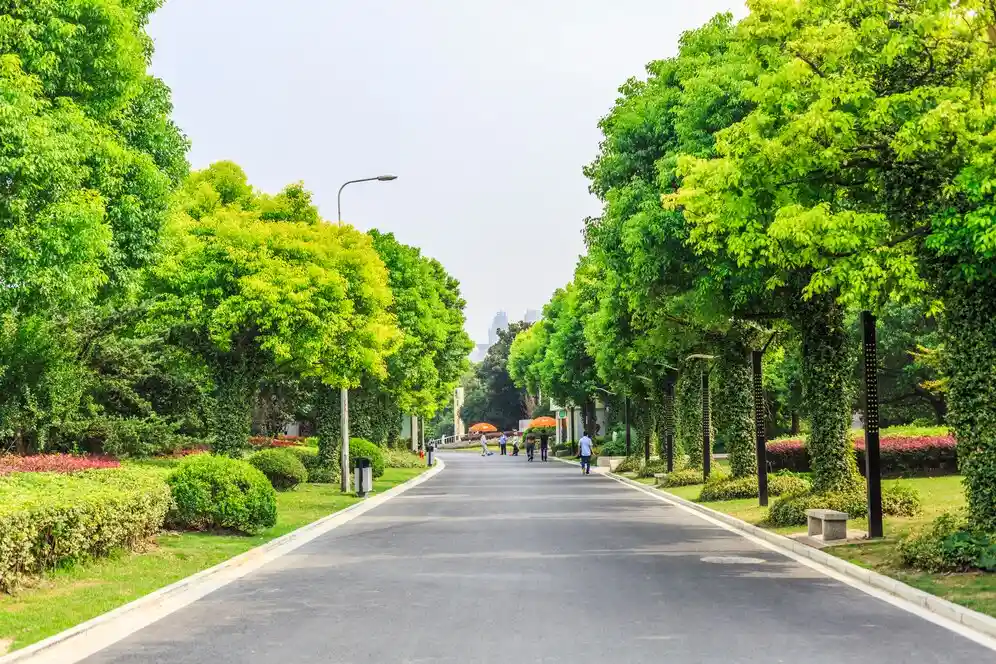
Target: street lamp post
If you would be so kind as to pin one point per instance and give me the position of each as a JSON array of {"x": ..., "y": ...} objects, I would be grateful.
[{"x": 344, "y": 392}]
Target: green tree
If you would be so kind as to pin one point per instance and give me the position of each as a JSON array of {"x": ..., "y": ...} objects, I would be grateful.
[
  {"x": 490, "y": 393},
  {"x": 256, "y": 298}
]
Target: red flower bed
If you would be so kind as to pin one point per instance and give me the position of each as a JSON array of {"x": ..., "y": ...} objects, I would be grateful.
[
  {"x": 901, "y": 455},
  {"x": 54, "y": 463},
  {"x": 280, "y": 441}
]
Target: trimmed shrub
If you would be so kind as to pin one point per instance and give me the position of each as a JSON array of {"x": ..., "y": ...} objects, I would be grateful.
[
  {"x": 48, "y": 519},
  {"x": 54, "y": 463},
  {"x": 317, "y": 473},
  {"x": 687, "y": 477},
  {"x": 948, "y": 545},
  {"x": 902, "y": 454},
  {"x": 791, "y": 510},
  {"x": 215, "y": 492},
  {"x": 901, "y": 500},
  {"x": 654, "y": 467},
  {"x": 746, "y": 487},
  {"x": 283, "y": 469},
  {"x": 358, "y": 447},
  {"x": 403, "y": 459}
]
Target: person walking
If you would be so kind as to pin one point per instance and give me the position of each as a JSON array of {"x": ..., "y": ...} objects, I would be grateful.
[
  {"x": 544, "y": 448},
  {"x": 515, "y": 443},
  {"x": 585, "y": 447},
  {"x": 484, "y": 445},
  {"x": 530, "y": 447},
  {"x": 503, "y": 445}
]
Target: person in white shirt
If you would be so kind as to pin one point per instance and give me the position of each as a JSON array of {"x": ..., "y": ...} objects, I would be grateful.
[
  {"x": 585, "y": 446},
  {"x": 484, "y": 445}
]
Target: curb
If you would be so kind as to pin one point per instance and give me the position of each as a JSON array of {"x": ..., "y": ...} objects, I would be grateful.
[
  {"x": 83, "y": 640},
  {"x": 974, "y": 621}
]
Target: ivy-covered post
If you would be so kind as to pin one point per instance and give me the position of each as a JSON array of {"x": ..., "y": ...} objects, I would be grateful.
[
  {"x": 688, "y": 431},
  {"x": 969, "y": 356},
  {"x": 827, "y": 389},
  {"x": 629, "y": 450},
  {"x": 706, "y": 427},
  {"x": 762, "y": 450},
  {"x": 873, "y": 470},
  {"x": 669, "y": 425},
  {"x": 733, "y": 402},
  {"x": 327, "y": 414}
]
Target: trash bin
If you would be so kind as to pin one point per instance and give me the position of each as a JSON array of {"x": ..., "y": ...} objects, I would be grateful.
[
  {"x": 431, "y": 448},
  {"x": 363, "y": 474}
]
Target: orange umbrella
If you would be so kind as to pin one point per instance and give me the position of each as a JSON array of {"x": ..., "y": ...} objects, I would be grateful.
[
  {"x": 543, "y": 422},
  {"x": 483, "y": 427}
]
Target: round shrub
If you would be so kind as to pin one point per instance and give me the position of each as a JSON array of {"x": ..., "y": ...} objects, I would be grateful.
[
  {"x": 630, "y": 464},
  {"x": 746, "y": 487},
  {"x": 317, "y": 473},
  {"x": 901, "y": 500},
  {"x": 687, "y": 477},
  {"x": 283, "y": 469},
  {"x": 791, "y": 510},
  {"x": 653, "y": 468},
  {"x": 358, "y": 447},
  {"x": 215, "y": 492}
]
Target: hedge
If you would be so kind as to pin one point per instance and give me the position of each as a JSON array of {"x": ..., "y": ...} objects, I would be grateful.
[
  {"x": 747, "y": 487},
  {"x": 901, "y": 455},
  {"x": 897, "y": 500},
  {"x": 215, "y": 492},
  {"x": 49, "y": 519},
  {"x": 284, "y": 469},
  {"x": 55, "y": 463}
]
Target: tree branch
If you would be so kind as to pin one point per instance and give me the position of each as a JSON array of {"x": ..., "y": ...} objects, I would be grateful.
[
  {"x": 809, "y": 62},
  {"x": 916, "y": 232}
]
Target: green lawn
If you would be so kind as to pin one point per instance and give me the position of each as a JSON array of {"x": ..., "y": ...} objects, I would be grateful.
[
  {"x": 940, "y": 494},
  {"x": 70, "y": 596}
]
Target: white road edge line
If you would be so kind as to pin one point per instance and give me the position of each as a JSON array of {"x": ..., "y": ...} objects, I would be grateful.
[
  {"x": 88, "y": 638},
  {"x": 910, "y": 607}
]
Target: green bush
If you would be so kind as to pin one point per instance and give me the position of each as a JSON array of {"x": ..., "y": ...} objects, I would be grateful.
[
  {"x": 687, "y": 477},
  {"x": 403, "y": 459},
  {"x": 212, "y": 492},
  {"x": 630, "y": 464},
  {"x": 901, "y": 500},
  {"x": 746, "y": 487},
  {"x": 49, "y": 519},
  {"x": 949, "y": 544},
  {"x": 283, "y": 468},
  {"x": 650, "y": 469},
  {"x": 358, "y": 447},
  {"x": 613, "y": 448},
  {"x": 790, "y": 510}
]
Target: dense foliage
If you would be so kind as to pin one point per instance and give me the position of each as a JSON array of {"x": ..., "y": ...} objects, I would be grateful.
[{"x": 284, "y": 469}]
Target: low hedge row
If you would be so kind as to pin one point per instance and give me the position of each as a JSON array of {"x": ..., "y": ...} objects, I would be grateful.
[
  {"x": 897, "y": 500},
  {"x": 901, "y": 455},
  {"x": 48, "y": 519},
  {"x": 747, "y": 487}
]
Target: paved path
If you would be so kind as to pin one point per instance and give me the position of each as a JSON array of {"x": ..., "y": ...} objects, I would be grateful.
[{"x": 498, "y": 560}]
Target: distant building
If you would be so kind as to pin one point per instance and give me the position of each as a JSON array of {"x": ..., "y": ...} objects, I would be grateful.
[
  {"x": 532, "y": 316},
  {"x": 499, "y": 323}
]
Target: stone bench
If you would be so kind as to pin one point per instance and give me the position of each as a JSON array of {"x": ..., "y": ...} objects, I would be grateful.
[
  {"x": 831, "y": 524},
  {"x": 659, "y": 477}
]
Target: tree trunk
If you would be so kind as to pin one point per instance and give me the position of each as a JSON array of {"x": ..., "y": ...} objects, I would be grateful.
[
  {"x": 590, "y": 419},
  {"x": 327, "y": 421},
  {"x": 795, "y": 423},
  {"x": 231, "y": 420},
  {"x": 827, "y": 392},
  {"x": 688, "y": 413},
  {"x": 969, "y": 330},
  {"x": 734, "y": 402}
]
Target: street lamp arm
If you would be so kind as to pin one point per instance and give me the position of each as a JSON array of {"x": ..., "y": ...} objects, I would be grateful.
[{"x": 381, "y": 178}]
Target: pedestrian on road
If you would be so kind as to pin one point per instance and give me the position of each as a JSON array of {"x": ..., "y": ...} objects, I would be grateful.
[
  {"x": 530, "y": 447},
  {"x": 503, "y": 445},
  {"x": 484, "y": 445},
  {"x": 585, "y": 447},
  {"x": 515, "y": 443},
  {"x": 544, "y": 447}
]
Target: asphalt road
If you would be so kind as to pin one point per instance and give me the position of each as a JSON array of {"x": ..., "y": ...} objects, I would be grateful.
[{"x": 499, "y": 560}]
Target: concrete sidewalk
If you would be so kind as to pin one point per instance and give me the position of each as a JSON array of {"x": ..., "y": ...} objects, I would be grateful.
[{"x": 501, "y": 560}]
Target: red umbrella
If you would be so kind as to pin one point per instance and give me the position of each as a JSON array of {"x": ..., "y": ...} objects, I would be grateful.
[{"x": 483, "y": 427}]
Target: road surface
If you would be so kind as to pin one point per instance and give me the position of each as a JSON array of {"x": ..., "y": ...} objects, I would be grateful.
[{"x": 499, "y": 560}]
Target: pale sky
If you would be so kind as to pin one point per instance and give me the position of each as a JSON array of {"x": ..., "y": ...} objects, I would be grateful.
[{"x": 486, "y": 110}]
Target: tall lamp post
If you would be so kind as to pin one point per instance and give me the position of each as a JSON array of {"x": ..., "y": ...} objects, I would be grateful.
[{"x": 344, "y": 392}]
